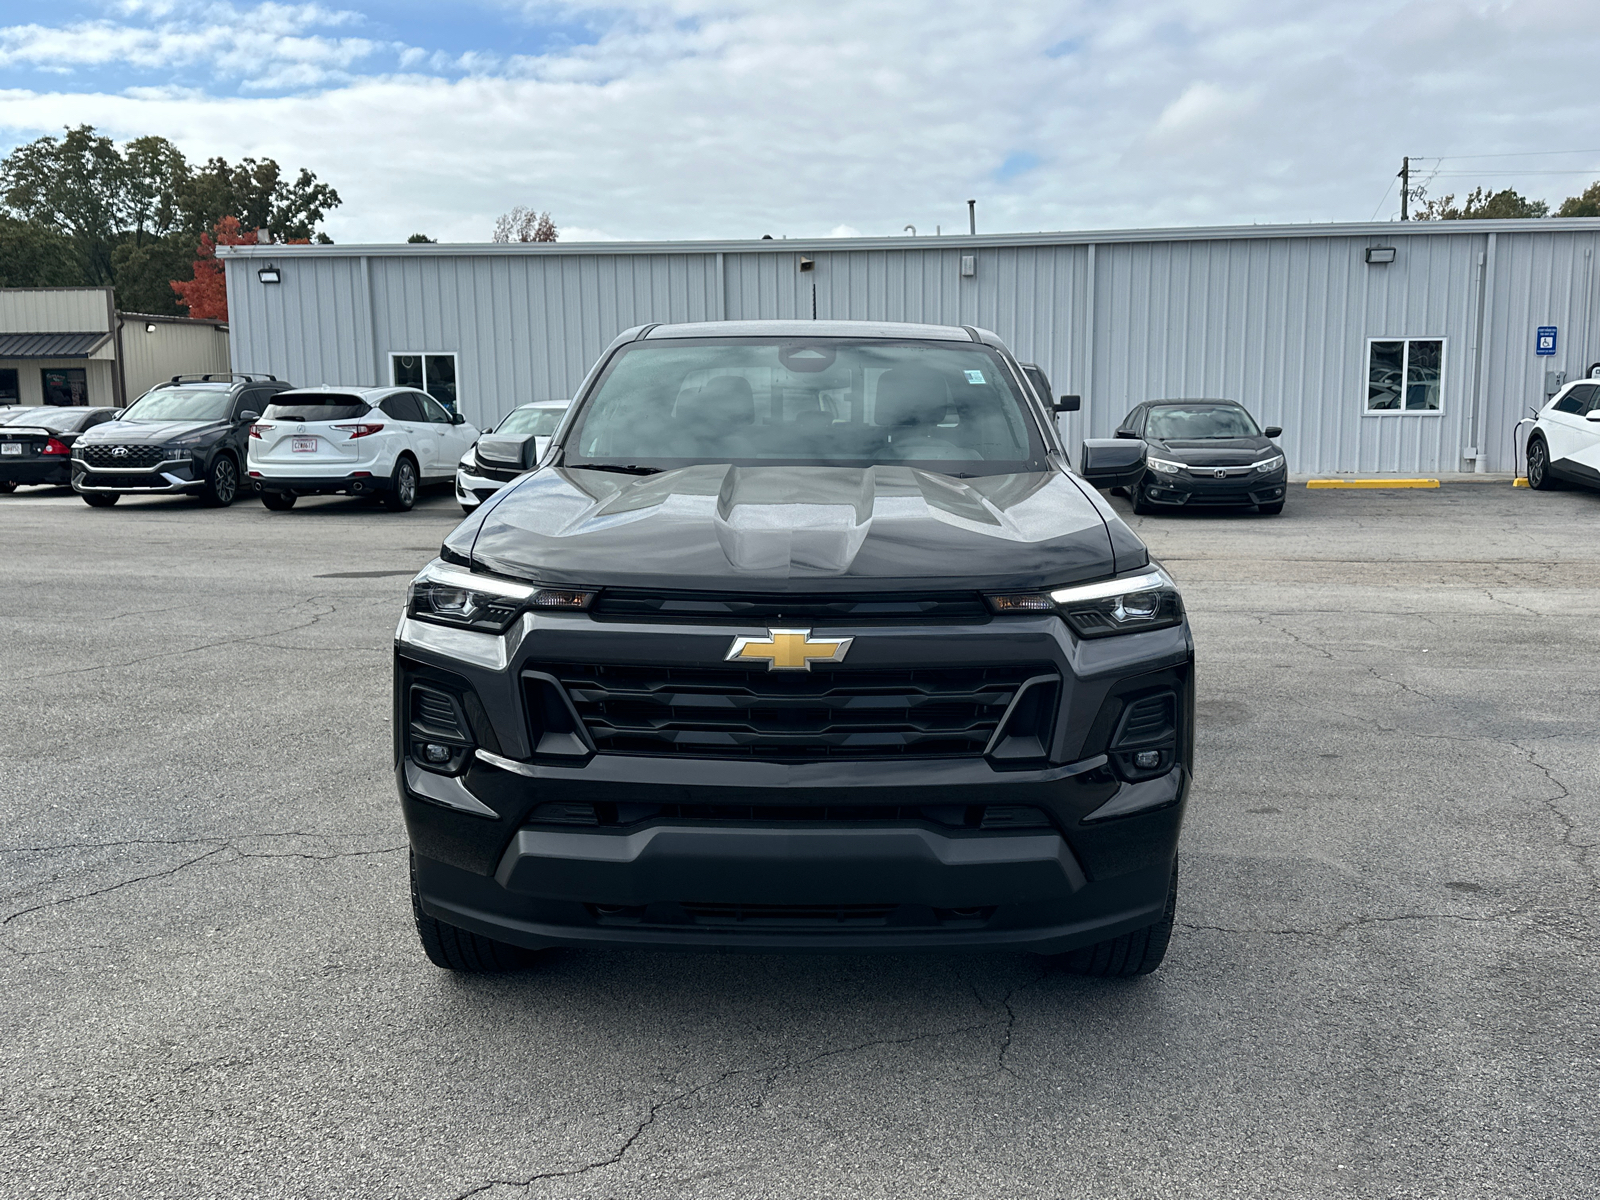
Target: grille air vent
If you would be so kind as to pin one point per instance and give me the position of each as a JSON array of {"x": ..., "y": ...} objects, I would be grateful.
[
  {"x": 1152, "y": 719},
  {"x": 437, "y": 711}
]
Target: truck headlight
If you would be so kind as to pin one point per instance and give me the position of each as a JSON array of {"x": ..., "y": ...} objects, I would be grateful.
[
  {"x": 1165, "y": 466},
  {"x": 1132, "y": 603},
  {"x": 448, "y": 595}
]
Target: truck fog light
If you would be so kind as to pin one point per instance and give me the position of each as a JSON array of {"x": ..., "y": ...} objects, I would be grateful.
[
  {"x": 1145, "y": 760},
  {"x": 435, "y": 753}
]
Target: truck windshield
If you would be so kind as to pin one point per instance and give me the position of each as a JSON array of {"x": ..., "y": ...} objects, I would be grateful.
[
  {"x": 181, "y": 404},
  {"x": 947, "y": 407}
]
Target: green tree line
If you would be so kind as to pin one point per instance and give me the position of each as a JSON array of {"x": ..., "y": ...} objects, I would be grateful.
[
  {"x": 1483, "y": 205},
  {"x": 80, "y": 211}
]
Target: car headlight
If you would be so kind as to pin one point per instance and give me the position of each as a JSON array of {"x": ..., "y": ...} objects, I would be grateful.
[
  {"x": 1270, "y": 464},
  {"x": 1132, "y": 603},
  {"x": 449, "y": 595},
  {"x": 1165, "y": 466}
]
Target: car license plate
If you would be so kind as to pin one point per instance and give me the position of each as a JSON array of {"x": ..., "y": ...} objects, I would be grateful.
[
  {"x": 10, "y": 447},
  {"x": 306, "y": 445}
]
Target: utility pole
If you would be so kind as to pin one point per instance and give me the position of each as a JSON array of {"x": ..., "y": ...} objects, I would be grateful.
[
  {"x": 972, "y": 216},
  {"x": 1405, "y": 187}
]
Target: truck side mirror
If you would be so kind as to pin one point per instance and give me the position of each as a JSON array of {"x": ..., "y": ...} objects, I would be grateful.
[
  {"x": 1273, "y": 431},
  {"x": 530, "y": 453},
  {"x": 1068, "y": 404},
  {"x": 1125, "y": 433},
  {"x": 1112, "y": 462}
]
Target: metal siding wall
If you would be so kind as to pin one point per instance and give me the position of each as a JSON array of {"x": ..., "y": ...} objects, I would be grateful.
[
  {"x": 1540, "y": 279},
  {"x": 172, "y": 349},
  {"x": 54, "y": 310}
]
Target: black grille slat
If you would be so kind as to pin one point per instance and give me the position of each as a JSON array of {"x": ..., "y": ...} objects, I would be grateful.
[
  {"x": 102, "y": 454},
  {"x": 1149, "y": 720},
  {"x": 436, "y": 710},
  {"x": 731, "y": 712},
  {"x": 807, "y": 913},
  {"x": 719, "y": 608}
]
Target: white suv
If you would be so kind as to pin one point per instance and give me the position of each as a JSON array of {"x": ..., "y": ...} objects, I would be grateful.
[
  {"x": 360, "y": 441},
  {"x": 1564, "y": 444}
]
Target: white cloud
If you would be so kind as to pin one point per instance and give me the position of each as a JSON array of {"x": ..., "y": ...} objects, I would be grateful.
[{"x": 699, "y": 118}]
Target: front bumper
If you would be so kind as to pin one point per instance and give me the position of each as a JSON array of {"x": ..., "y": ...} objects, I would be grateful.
[
  {"x": 1188, "y": 488},
  {"x": 472, "y": 490},
  {"x": 168, "y": 478},
  {"x": 829, "y": 854}
]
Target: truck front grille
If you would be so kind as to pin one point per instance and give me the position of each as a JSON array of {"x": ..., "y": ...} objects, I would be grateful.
[{"x": 723, "y": 712}]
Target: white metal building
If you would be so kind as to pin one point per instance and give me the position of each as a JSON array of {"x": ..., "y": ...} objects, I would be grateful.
[{"x": 1378, "y": 347}]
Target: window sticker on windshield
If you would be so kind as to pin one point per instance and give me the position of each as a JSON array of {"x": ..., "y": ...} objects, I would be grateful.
[{"x": 975, "y": 377}]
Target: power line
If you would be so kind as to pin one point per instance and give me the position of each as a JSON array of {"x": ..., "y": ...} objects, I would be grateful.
[
  {"x": 1506, "y": 174},
  {"x": 1386, "y": 192},
  {"x": 1513, "y": 154}
]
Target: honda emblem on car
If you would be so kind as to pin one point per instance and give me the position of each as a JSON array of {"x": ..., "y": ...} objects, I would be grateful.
[
  {"x": 789, "y": 649},
  {"x": 1220, "y": 473}
]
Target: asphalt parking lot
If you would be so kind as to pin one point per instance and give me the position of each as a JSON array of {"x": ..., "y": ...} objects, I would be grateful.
[{"x": 1383, "y": 984}]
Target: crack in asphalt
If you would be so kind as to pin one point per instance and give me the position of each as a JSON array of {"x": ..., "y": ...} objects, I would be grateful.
[
  {"x": 1344, "y": 927},
  {"x": 772, "y": 1070},
  {"x": 1583, "y": 851}
]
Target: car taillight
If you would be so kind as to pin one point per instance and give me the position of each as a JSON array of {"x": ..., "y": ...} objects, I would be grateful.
[
  {"x": 55, "y": 446},
  {"x": 257, "y": 430},
  {"x": 359, "y": 431}
]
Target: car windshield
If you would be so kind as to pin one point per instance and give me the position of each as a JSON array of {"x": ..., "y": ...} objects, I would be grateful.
[
  {"x": 181, "y": 404},
  {"x": 1175, "y": 422},
  {"x": 951, "y": 408},
  {"x": 541, "y": 422}
]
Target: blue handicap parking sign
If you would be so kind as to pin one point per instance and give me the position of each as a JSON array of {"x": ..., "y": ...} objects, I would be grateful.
[{"x": 1544, "y": 341}]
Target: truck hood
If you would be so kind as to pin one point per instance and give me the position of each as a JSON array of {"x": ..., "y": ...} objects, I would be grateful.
[
  {"x": 796, "y": 529},
  {"x": 134, "y": 433}
]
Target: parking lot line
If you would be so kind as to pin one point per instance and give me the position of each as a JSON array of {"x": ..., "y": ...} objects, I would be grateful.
[{"x": 1372, "y": 483}]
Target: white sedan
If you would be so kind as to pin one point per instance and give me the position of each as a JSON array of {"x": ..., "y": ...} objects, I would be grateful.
[
  {"x": 1564, "y": 444},
  {"x": 384, "y": 442},
  {"x": 506, "y": 451}
]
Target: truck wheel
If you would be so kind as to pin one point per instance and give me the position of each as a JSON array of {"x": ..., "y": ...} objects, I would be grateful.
[
  {"x": 100, "y": 499},
  {"x": 402, "y": 493},
  {"x": 1136, "y": 953},
  {"x": 222, "y": 483},
  {"x": 458, "y": 949},
  {"x": 279, "y": 501},
  {"x": 1539, "y": 477}
]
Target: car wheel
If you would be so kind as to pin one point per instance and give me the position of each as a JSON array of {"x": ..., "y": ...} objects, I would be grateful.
[
  {"x": 469, "y": 509},
  {"x": 402, "y": 494},
  {"x": 1136, "y": 953},
  {"x": 279, "y": 501},
  {"x": 1539, "y": 476},
  {"x": 1270, "y": 510},
  {"x": 7, "y": 487},
  {"x": 222, "y": 483},
  {"x": 457, "y": 949},
  {"x": 100, "y": 499},
  {"x": 1141, "y": 506}
]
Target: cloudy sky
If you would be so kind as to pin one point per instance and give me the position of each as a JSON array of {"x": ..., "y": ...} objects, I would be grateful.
[{"x": 644, "y": 119}]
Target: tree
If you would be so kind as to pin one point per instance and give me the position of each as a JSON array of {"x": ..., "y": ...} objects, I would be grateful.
[
  {"x": 75, "y": 186},
  {"x": 1480, "y": 205},
  {"x": 145, "y": 270},
  {"x": 1585, "y": 204},
  {"x": 256, "y": 192},
  {"x": 419, "y": 238},
  {"x": 524, "y": 225},
  {"x": 32, "y": 255}
]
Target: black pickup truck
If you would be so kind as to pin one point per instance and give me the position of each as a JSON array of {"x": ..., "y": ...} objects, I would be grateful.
[{"x": 803, "y": 636}]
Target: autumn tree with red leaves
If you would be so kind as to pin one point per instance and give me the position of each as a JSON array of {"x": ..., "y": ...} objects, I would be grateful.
[{"x": 206, "y": 295}]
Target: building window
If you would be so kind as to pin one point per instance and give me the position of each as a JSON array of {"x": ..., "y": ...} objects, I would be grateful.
[
  {"x": 1405, "y": 375},
  {"x": 431, "y": 373},
  {"x": 65, "y": 386},
  {"x": 8, "y": 386}
]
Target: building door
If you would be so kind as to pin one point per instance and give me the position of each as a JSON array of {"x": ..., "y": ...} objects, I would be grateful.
[{"x": 65, "y": 386}]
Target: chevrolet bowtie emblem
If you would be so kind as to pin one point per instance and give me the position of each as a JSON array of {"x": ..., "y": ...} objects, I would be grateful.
[{"x": 789, "y": 649}]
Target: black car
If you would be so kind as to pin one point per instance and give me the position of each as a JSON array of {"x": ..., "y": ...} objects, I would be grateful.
[
  {"x": 1205, "y": 452},
  {"x": 183, "y": 436},
  {"x": 36, "y": 443},
  {"x": 802, "y": 636}
]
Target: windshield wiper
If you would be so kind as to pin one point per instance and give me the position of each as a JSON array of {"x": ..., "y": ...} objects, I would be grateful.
[{"x": 619, "y": 468}]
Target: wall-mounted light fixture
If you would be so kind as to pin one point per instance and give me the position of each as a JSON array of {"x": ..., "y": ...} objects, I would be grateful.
[
  {"x": 807, "y": 264},
  {"x": 149, "y": 326},
  {"x": 1380, "y": 254},
  {"x": 969, "y": 264},
  {"x": 269, "y": 275}
]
